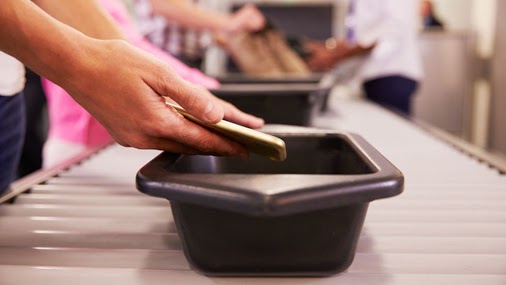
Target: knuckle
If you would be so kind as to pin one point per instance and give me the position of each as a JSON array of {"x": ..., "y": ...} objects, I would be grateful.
[
  {"x": 183, "y": 135},
  {"x": 194, "y": 138},
  {"x": 205, "y": 145},
  {"x": 202, "y": 146},
  {"x": 190, "y": 100},
  {"x": 163, "y": 78}
]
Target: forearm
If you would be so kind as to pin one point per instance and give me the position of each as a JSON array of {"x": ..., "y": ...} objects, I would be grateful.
[
  {"x": 189, "y": 15},
  {"x": 44, "y": 44},
  {"x": 86, "y": 16},
  {"x": 342, "y": 50},
  {"x": 356, "y": 50},
  {"x": 115, "y": 82}
]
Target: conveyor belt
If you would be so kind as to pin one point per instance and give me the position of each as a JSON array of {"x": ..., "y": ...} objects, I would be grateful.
[{"x": 89, "y": 225}]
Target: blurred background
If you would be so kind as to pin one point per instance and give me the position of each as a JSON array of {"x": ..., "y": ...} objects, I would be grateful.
[{"x": 462, "y": 92}]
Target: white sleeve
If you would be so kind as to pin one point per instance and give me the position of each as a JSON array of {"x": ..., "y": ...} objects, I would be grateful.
[
  {"x": 376, "y": 19},
  {"x": 369, "y": 21},
  {"x": 12, "y": 75}
]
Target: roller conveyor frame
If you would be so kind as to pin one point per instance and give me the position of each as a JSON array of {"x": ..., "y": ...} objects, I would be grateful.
[
  {"x": 477, "y": 153},
  {"x": 379, "y": 254},
  {"x": 26, "y": 183},
  {"x": 23, "y": 185}
]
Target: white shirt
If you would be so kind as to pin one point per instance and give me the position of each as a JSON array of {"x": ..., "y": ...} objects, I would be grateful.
[
  {"x": 12, "y": 75},
  {"x": 392, "y": 25}
]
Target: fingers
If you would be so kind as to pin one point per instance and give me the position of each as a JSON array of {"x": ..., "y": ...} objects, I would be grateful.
[
  {"x": 256, "y": 17},
  {"x": 313, "y": 64},
  {"x": 199, "y": 102},
  {"x": 248, "y": 18},
  {"x": 195, "y": 99},
  {"x": 165, "y": 145},
  {"x": 169, "y": 131},
  {"x": 237, "y": 116},
  {"x": 314, "y": 47},
  {"x": 197, "y": 137},
  {"x": 319, "y": 60}
]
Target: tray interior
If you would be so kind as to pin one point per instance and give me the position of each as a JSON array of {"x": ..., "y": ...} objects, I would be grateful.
[{"x": 306, "y": 155}]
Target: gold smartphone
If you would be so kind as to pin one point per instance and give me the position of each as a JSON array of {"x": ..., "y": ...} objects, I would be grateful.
[{"x": 255, "y": 141}]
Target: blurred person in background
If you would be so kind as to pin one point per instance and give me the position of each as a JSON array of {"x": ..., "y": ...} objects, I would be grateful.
[
  {"x": 73, "y": 130},
  {"x": 179, "y": 26},
  {"x": 35, "y": 125},
  {"x": 120, "y": 85},
  {"x": 385, "y": 34},
  {"x": 429, "y": 17}
]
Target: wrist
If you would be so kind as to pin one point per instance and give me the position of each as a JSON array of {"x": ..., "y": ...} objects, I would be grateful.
[
  {"x": 68, "y": 57},
  {"x": 80, "y": 57}
]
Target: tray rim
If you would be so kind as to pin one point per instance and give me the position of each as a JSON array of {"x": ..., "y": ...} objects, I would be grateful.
[{"x": 219, "y": 191}]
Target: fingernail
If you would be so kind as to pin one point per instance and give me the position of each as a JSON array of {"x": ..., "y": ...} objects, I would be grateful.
[
  {"x": 209, "y": 107},
  {"x": 211, "y": 112}
]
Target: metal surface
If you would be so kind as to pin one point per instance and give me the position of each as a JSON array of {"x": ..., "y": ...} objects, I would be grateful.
[
  {"x": 446, "y": 228},
  {"x": 498, "y": 69},
  {"x": 494, "y": 161},
  {"x": 446, "y": 103},
  {"x": 24, "y": 184}
]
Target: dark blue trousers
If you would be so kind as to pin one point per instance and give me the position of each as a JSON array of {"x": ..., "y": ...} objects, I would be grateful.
[
  {"x": 36, "y": 125},
  {"x": 394, "y": 92},
  {"x": 12, "y": 133}
]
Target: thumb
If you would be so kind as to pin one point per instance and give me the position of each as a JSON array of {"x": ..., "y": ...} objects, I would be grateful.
[{"x": 197, "y": 100}]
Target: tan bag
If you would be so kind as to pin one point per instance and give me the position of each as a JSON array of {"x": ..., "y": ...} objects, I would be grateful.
[{"x": 264, "y": 53}]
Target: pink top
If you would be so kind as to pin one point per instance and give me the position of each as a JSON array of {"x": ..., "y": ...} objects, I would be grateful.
[{"x": 70, "y": 122}]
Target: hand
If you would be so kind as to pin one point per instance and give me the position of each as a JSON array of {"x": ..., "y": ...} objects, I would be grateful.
[
  {"x": 190, "y": 74},
  {"x": 233, "y": 114},
  {"x": 248, "y": 18},
  {"x": 122, "y": 87},
  {"x": 237, "y": 116},
  {"x": 322, "y": 57}
]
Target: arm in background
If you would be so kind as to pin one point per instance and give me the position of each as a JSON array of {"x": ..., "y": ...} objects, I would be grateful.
[
  {"x": 248, "y": 18},
  {"x": 86, "y": 16},
  {"x": 325, "y": 56}
]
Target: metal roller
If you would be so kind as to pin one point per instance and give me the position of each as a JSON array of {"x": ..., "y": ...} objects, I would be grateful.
[{"x": 85, "y": 223}]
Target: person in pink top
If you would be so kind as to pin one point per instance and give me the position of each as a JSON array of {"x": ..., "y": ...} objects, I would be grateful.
[{"x": 71, "y": 128}]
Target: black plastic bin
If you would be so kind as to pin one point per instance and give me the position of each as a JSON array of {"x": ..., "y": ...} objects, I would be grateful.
[
  {"x": 276, "y": 103},
  {"x": 301, "y": 217},
  {"x": 240, "y": 78}
]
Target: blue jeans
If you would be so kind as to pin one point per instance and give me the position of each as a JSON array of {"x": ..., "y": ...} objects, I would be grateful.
[
  {"x": 394, "y": 92},
  {"x": 12, "y": 133}
]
